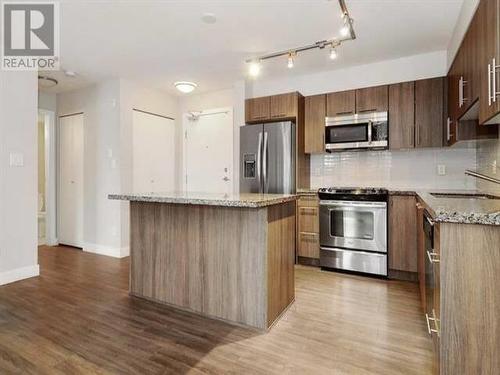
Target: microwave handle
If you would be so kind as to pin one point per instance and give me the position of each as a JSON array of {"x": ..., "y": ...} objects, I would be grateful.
[{"x": 370, "y": 129}]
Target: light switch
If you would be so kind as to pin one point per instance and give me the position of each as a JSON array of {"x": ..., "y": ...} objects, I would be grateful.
[
  {"x": 16, "y": 159},
  {"x": 441, "y": 169}
]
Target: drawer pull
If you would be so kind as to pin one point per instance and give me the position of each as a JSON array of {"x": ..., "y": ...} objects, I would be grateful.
[
  {"x": 433, "y": 257},
  {"x": 429, "y": 329},
  {"x": 308, "y": 211}
]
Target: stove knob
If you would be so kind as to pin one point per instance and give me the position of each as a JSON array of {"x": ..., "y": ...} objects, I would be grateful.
[{"x": 330, "y": 189}]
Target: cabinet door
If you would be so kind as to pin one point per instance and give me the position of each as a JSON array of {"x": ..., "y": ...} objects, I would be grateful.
[
  {"x": 402, "y": 115},
  {"x": 429, "y": 115},
  {"x": 257, "y": 109},
  {"x": 341, "y": 103},
  {"x": 308, "y": 245},
  {"x": 489, "y": 49},
  {"x": 284, "y": 106},
  {"x": 315, "y": 113},
  {"x": 402, "y": 233},
  {"x": 372, "y": 99}
]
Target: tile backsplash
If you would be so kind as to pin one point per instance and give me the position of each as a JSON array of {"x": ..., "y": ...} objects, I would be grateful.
[
  {"x": 488, "y": 162},
  {"x": 413, "y": 169}
]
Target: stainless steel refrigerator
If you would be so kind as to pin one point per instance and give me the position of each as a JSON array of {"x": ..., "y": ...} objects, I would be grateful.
[{"x": 267, "y": 158}]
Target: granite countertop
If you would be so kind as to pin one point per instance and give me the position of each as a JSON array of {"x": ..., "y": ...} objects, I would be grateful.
[
  {"x": 466, "y": 210},
  {"x": 245, "y": 200}
]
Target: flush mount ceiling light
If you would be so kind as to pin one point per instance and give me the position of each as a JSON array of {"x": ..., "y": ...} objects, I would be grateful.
[
  {"x": 346, "y": 33},
  {"x": 46, "y": 82},
  {"x": 70, "y": 73},
  {"x": 185, "y": 87}
]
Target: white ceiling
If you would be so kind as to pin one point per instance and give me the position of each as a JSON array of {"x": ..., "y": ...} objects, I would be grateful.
[{"x": 160, "y": 42}]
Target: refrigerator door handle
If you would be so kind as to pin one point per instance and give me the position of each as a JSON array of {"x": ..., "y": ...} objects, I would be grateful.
[
  {"x": 259, "y": 161},
  {"x": 265, "y": 161}
]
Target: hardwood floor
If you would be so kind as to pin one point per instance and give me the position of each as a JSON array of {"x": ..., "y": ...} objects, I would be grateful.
[{"x": 77, "y": 318}]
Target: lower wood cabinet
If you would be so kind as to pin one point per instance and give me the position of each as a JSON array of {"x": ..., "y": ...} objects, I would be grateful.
[
  {"x": 308, "y": 229},
  {"x": 402, "y": 237}
]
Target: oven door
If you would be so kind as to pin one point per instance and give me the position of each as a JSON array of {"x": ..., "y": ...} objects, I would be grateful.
[
  {"x": 347, "y": 136},
  {"x": 354, "y": 225}
]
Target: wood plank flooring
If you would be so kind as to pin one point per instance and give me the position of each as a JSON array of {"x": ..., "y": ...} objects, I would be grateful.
[{"x": 77, "y": 318}]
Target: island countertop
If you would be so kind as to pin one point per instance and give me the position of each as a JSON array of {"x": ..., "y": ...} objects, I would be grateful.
[{"x": 243, "y": 200}]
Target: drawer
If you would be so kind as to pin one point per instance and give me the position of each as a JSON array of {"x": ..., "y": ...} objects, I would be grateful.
[
  {"x": 308, "y": 219},
  {"x": 308, "y": 201},
  {"x": 308, "y": 245}
]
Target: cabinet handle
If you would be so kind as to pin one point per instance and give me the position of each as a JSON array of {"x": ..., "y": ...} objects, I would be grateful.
[
  {"x": 433, "y": 257},
  {"x": 448, "y": 125},
  {"x": 461, "y": 98},
  {"x": 429, "y": 329},
  {"x": 489, "y": 84},
  {"x": 308, "y": 211},
  {"x": 494, "y": 68}
]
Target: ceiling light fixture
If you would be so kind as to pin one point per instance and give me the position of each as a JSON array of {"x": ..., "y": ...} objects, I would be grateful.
[
  {"x": 70, "y": 73},
  {"x": 46, "y": 82},
  {"x": 333, "y": 53},
  {"x": 209, "y": 18},
  {"x": 346, "y": 33},
  {"x": 254, "y": 69},
  {"x": 185, "y": 87},
  {"x": 290, "y": 60}
]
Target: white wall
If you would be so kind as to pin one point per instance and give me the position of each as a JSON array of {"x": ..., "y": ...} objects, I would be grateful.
[
  {"x": 100, "y": 105},
  {"x": 383, "y": 72},
  {"x": 464, "y": 18},
  {"x": 47, "y": 101},
  {"x": 18, "y": 185}
]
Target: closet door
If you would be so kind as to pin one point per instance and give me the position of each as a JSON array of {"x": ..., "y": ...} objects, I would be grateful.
[
  {"x": 71, "y": 180},
  {"x": 153, "y": 153}
]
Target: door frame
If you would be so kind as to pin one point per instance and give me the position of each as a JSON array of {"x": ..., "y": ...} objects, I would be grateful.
[
  {"x": 58, "y": 179},
  {"x": 185, "y": 121},
  {"x": 49, "y": 121}
]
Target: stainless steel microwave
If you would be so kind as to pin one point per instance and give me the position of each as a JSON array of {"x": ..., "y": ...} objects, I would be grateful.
[{"x": 357, "y": 131}]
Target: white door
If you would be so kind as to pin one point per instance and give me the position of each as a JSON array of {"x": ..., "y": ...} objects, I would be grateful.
[
  {"x": 71, "y": 180},
  {"x": 208, "y": 151},
  {"x": 153, "y": 160}
]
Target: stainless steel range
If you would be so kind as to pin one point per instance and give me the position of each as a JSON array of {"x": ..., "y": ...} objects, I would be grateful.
[{"x": 353, "y": 229}]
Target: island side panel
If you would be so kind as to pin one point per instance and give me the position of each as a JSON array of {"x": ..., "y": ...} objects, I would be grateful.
[
  {"x": 470, "y": 299},
  {"x": 280, "y": 259},
  {"x": 208, "y": 259}
]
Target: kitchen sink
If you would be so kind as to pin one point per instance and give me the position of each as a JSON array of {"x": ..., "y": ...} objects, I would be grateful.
[{"x": 464, "y": 195}]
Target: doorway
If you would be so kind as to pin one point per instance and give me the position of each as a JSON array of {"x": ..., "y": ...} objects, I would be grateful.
[
  {"x": 208, "y": 151},
  {"x": 153, "y": 152},
  {"x": 46, "y": 199},
  {"x": 71, "y": 179}
]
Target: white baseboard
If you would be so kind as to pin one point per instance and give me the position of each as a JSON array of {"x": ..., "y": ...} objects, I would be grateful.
[
  {"x": 115, "y": 252},
  {"x": 17, "y": 274}
]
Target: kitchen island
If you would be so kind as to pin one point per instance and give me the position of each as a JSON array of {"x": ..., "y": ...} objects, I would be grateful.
[{"x": 228, "y": 257}]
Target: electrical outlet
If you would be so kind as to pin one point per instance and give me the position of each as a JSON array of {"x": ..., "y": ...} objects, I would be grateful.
[{"x": 441, "y": 170}]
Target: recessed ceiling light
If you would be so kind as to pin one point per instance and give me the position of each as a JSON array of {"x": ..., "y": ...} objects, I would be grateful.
[
  {"x": 46, "y": 82},
  {"x": 70, "y": 73},
  {"x": 209, "y": 18},
  {"x": 254, "y": 69},
  {"x": 185, "y": 87}
]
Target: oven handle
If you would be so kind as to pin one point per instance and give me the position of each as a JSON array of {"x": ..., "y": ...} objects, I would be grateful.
[
  {"x": 370, "y": 253},
  {"x": 352, "y": 204}
]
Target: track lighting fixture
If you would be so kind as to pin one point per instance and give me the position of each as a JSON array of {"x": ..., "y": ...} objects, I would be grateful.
[{"x": 346, "y": 33}]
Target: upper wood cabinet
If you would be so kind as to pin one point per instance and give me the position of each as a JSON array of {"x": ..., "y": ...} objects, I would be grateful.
[
  {"x": 283, "y": 106},
  {"x": 315, "y": 113},
  {"x": 402, "y": 115},
  {"x": 341, "y": 103},
  {"x": 271, "y": 108},
  {"x": 372, "y": 99},
  {"x": 257, "y": 109},
  {"x": 403, "y": 233},
  {"x": 429, "y": 112},
  {"x": 488, "y": 15}
]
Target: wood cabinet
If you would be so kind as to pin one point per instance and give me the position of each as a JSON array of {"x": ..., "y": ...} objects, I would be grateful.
[
  {"x": 403, "y": 235},
  {"x": 341, "y": 103},
  {"x": 372, "y": 99},
  {"x": 308, "y": 229},
  {"x": 429, "y": 112},
  {"x": 315, "y": 113},
  {"x": 488, "y": 15},
  {"x": 402, "y": 115},
  {"x": 272, "y": 108},
  {"x": 283, "y": 106},
  {"x": 257, "y": 109}
]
